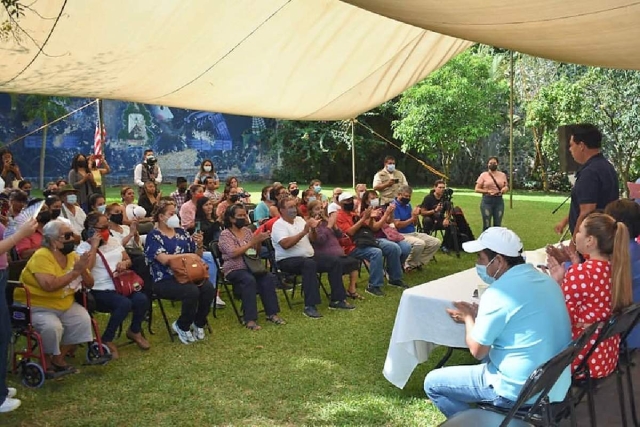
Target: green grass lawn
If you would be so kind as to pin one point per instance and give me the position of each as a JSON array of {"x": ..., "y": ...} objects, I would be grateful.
[{"x": 308, "y": 372}]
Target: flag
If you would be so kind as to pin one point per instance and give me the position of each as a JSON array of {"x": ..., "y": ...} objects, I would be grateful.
[{"x": 98, "y": 140}]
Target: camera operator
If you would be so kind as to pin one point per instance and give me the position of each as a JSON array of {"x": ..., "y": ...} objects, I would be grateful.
[
  {"x": 436, "y": 207},
  {"x": 148, "y": 170}
]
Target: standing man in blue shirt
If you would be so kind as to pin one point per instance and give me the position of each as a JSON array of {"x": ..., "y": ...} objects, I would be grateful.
[
  {"x": 521, "y": 323},
  {"x": 423, "y": 246}
]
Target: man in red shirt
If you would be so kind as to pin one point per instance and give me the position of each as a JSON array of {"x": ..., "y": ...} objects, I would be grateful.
[{"x": 362, "y": 244}]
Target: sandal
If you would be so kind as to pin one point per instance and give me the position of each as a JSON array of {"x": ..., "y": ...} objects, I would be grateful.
[
  {"x": 61, "y": 369},
  {"x": 253, "y": 326},
  {"x": 354, "y": 295},
  {"x": 276, "y": 319}
]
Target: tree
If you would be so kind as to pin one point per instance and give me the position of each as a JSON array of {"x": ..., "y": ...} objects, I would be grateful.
[
  {"x": 43, "y": 108},
  {"x": 613, "y": 104},
  {"x": 452, "y": 109}
]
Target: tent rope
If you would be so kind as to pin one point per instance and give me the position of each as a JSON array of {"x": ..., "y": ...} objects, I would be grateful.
[
  {"x": 422, "y": 163},
  {"x": 50, "y": 123}
]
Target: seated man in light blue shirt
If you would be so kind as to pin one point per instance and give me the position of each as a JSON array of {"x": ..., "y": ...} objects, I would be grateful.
[{"x": 521, "y": 322}]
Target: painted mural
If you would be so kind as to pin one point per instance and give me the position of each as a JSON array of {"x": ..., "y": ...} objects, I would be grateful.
[{"x": 180, "y": 138}]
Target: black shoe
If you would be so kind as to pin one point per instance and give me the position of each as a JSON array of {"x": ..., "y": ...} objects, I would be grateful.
[
  {"x": 375, "y": 290},
  {"x": 310, "y": 311},
  {"x": 398, "y": 283},
  {"x": 342, "y": 305}
]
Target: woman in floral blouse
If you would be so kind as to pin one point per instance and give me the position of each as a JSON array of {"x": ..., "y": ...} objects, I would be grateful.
[{"x": 163, "y": 243}]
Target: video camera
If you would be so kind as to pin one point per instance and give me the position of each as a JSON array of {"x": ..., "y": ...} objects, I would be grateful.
[
  {"x": 244, "y": 195},
  {"x": 151, "y": 161},
  {"x": 447, "y": 195}
]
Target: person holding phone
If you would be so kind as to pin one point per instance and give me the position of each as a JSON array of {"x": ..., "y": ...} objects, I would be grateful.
[
  {"x": 98, "y": 167},
  {"x": 10, "y": 170},
  {"x": 388, "y": 180}
]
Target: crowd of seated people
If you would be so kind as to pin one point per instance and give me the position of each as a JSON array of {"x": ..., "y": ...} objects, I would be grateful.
[{"x": 79, "y": 239}]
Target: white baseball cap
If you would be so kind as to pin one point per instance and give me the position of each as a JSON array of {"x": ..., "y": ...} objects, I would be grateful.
[
  {"x": 344, "y": 196},
  {"x": 500, "y": 240},
  {"x": 333, "y": 207}
]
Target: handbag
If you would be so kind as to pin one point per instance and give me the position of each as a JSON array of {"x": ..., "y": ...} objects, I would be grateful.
[
  {"x": 254, "y": 264},
  {"x": 364, "y": 238},
  {"x": 189, "y": 268},
  {"x": 126, "y": 282},
  {"x": 392, "y": 233}
]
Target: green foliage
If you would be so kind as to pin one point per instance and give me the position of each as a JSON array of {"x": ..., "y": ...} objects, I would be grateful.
[{"x": 452, "y": 109}]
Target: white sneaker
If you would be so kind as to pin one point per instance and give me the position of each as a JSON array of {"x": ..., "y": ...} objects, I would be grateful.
[
  {"x": 197, "y": 333},
  {"x": 11, "y": 392},
  {"x": 10, "y": 404},
  {"x": 219, "y": 302},
  {"x": 185, "y": 336}
]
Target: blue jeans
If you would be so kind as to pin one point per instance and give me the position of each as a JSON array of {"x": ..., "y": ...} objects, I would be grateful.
[
  {"x": 207, "y": 257},
  {"x": 452, "y": 389},
  {"x": 5, "y": 336},
  {"x": 491, "y": 207},
  {"x": 119, "y": 306},
  {"x": 395, "y": 254},
  {"x": 374, "y": 256}
]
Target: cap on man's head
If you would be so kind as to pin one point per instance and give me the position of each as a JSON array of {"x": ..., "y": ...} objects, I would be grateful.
[
  {"x": 500, "y": 240},
  {"x": 67, "y": 189},
  {"x": 333, "y": 207},
  {"x": 344, "y": 196}
]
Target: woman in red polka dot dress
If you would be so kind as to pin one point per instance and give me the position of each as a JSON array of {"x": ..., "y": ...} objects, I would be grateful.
[{"x": 598, "y": 287}]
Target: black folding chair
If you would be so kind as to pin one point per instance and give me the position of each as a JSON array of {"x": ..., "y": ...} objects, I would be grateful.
[
  {"x": 626, "y": 362},
  {"x": 481, "y": 418},
  {"x": 228, "y": 286},
  {"x": 619, "y": 324},
  {"x": 542, "y": 412}
]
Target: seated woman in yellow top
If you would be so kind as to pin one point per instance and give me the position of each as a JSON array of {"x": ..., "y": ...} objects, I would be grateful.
[{"x": 52, "y": 275}]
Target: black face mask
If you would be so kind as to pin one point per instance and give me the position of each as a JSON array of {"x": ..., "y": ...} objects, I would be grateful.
[
  {"x": 241, "y": 222},
  {"x": 348, "y": 207},
  {"x": 116, "y": 218},
  {"x": 82, "y": 164},
  {"x": 67, "y": 247},
  {"x": 55, "y": 213},
  {"x": 295, "y": 192},
  {"x": 234, "y": 198},
  {"x": 405, "y": 201},
  {"x": 182, "y": 190},
  {"x": 493, "y": 168}
]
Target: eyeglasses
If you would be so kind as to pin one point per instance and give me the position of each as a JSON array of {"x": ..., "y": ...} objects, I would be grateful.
[
  {"x": 68, "y": 235},
  {"x": 106, "y": 227}
]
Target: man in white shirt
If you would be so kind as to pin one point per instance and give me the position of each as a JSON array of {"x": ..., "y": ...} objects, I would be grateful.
[
  {"x": 148, "y": 170},
  {"x": 71, "y": 211},
  {"x": 291, "y": 236}
]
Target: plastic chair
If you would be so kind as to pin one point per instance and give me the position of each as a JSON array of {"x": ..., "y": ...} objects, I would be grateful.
[
  {"x": 542, "y": 412},
  {"x": 619, "y": 324}
]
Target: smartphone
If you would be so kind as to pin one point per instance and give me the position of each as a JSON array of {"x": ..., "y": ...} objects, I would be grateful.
[
  {"x": 396, "y": 180},
  {"x": 198, "y": 224}
]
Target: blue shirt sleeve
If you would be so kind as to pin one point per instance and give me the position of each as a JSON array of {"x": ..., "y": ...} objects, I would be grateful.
[{"x": 491, "y": 319}]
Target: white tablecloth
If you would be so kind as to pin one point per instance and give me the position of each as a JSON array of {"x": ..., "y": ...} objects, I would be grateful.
[{"x": 422, "y": 323}]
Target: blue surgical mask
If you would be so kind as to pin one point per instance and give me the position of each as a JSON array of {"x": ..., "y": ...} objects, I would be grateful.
[
  {"x": 317, "y": 188},
  {"x": 292, "y": 212},
  {"x": 72, "y": 199},
  {"x": 102, "y": 209},
  {"x": 391, "y": 167},
  {"x": 481, "y": 270},
  {"x": 311, "y": 199}
]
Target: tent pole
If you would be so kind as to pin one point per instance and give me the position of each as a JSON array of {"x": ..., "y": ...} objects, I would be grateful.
[
  {"x": 511, "y": 132},
  {"x": 100, "y": 125},
  {"x": 353, "y": 153}
]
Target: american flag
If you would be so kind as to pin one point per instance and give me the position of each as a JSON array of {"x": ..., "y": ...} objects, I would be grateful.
[{"x": 98, "y": 140}]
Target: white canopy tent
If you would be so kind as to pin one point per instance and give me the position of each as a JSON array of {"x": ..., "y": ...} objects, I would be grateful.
[{"x": 296, "y": 59}]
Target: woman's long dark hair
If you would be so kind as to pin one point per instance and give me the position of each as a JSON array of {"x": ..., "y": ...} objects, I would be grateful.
[
  {"x": 74, "y": 162},
  {"x": 364, "y": 204},
  {"x": 200, "y": 215}
]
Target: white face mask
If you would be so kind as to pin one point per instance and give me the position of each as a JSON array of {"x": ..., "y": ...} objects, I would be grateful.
[
  {"x": 173, "y": 222},
  {"x": 361, "y": 194},
  {"x": 207, "y": 168},
  {"x": 391, "y": 167},
  {"x": 374, "y": 203}
]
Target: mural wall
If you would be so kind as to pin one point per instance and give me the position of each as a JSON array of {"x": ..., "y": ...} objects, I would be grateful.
[{"x": 180, "y": 138}]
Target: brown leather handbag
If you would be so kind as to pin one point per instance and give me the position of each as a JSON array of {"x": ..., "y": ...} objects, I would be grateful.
[{"x": 189, "y": 268}]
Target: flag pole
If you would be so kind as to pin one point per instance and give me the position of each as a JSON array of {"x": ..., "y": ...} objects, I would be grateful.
[{"x": 101, "y": 133}]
